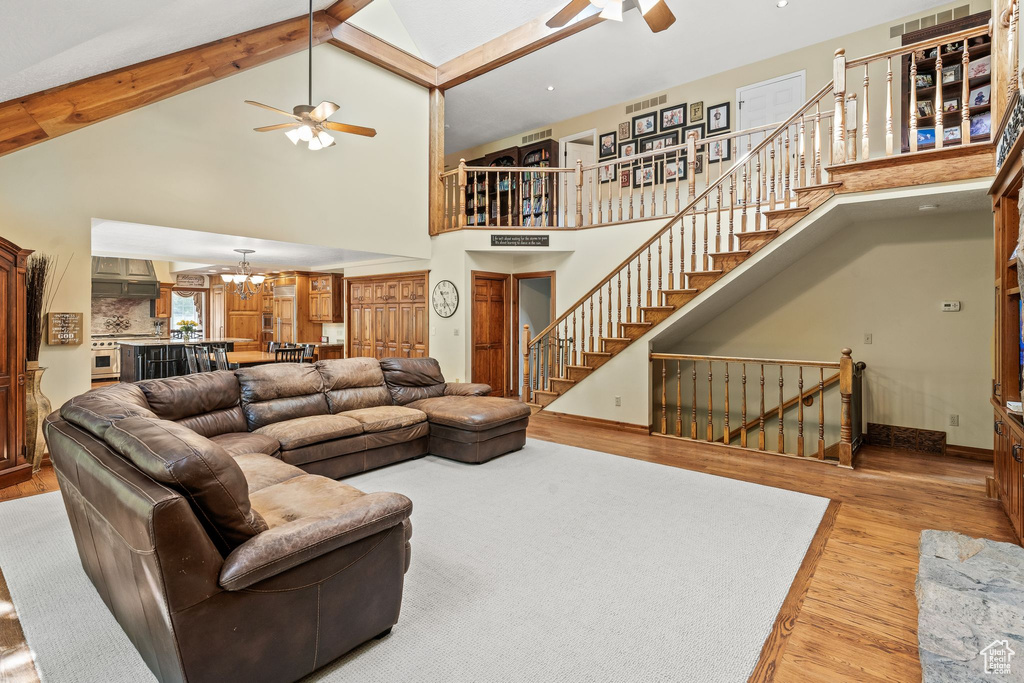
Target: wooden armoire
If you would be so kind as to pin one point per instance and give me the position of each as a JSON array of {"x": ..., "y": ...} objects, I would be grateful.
[
  {"x": 388, "y": 316},
  {"x": 14, "y": 468}
]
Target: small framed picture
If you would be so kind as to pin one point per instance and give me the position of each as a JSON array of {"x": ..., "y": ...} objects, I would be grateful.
[
  {"x": 924, "y": 81},
  {"x": 625, "y": 130},
  {"x": 645, "y": 124},
  {"x": 645, "y": 176},
  {"x": 981, "y": 124},
  {"x": 697, "y": 128},
  {"x": 673, "y": 117},
  {"x": 980, "y": 67},
  {"x": 606, "y": 173},
  {"x": 925, "y": 108},
  {"x": 625, "y": 177},
  {"x": 674, "y": 169},
  {"x": 718, "y": 118},
  {"x": 606, "y": 145},
  {"x": 925, "y": 136},
  {"x": 628, "y": 148},
  {"x": 720, "y": 150},
  {"x": 980, "y": 96},
  {"x": 696, "y": 112},
  {"x": 950, "y": 105},
  {"x": 656, "y": 143},
  {"x": 951, "y": 134},
  {"x": 951, "y": 73}
]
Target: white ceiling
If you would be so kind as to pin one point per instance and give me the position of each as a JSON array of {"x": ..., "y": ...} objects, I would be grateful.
[
  {"x": 205, "y": 251},
  {"x": 604, "y": 64},
  {"x": 46, "y": 43}
]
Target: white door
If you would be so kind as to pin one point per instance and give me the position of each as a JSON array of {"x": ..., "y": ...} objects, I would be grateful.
[
  {"x": 582, "y": 147},
  {"x": 771, "y": 101},
  {"x": 218, "y": 309}
]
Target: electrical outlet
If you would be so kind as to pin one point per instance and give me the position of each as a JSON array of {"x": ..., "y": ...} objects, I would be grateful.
[
  {"x": 954, "y": 420},
  {"x": 867, "y": 338},
  {"x": 433, "y": 331},
  {"x": 456, "y": 332},
  {"x": 618, "y": 401}
]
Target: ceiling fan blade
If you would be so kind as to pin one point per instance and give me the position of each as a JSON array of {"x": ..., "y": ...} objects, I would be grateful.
[
  {"x": 566, "y": 14},
  {"x": 323, "y": 111},
  {"x": 278, "y": 126},
  {"x": 346, "y": 128},
  {"x": 274, "y": 109},
  {"x": 660, "y": 17}
]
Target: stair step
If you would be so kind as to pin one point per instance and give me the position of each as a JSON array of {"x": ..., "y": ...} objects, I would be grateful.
[
  {"x": 560, "y": 385},
  {"x": 578, "y": 372},
  {"x": 703, "y": 280},
  {"x": 755, "y": 239},
  {"x": 634, "y": 331},
  {"x": 596, "y": 359},
  {"x": 678, "y": 297},
  {"x": 544, "y": 398},
  {"x": 614, "y": 344},
  {"x": 815, "y": 188},
  {"x": 655, "y": 314},
  {"x": 535, "y": 408},
  {"x": 814, "y": 196},
  {"x": 727, "y": 260},
  {"x": 780, "y": 219}
]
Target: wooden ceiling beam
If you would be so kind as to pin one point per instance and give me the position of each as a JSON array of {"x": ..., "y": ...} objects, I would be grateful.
[
  {"x": 507, "y": 48},
  {"x": 44, "y": 115},
  {"x": 343, "y": 10},
  {"x": 358, "y": 42}
]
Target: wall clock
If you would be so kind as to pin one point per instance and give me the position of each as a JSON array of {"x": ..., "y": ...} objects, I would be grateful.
[{"x": 445, "y": 298}]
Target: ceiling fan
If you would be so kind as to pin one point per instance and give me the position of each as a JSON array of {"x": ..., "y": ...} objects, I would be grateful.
[
  {"x": 655, "y": 12},
  {"x": 310, "y": 123}
]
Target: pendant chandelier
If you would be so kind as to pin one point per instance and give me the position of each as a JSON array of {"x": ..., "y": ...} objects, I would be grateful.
[{"x": 246, "y": 284}]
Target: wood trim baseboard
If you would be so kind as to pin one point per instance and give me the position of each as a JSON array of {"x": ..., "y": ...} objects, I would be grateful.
[
  {"x": 15, "y": 475},
  {"x": 970, "y": 452},
  {"x": 599, "y": 422},
  {"x": 775, "y": 644}
]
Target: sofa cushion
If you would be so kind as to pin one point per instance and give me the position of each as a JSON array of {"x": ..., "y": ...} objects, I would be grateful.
[
  {"x": 276, "y": 392},
  {"x": 353, "y": 383},
  {"x": 473, "y": 413},
  {"x": 412, "y": 379},
  {"x": 303, "y": 431},
  {"x": 94, "y": 411},
  {"x": 236, "y": 443},
  {"x": 262, "y": 470},
  {"x": 304, "y": 496},
  {"x": 326, "y": 450},
  {"x": 383, "y": 418},
  {"x": 197, "y": 468},
  {"x": 174, "y": 398}
]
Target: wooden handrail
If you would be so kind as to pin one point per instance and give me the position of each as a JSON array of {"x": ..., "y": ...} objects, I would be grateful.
[
  {"x": 921, "y": 45},
  {"x": 738, "y": 359}
]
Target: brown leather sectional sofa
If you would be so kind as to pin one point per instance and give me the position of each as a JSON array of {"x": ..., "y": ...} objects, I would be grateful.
[{"x": 206, "y": 512}]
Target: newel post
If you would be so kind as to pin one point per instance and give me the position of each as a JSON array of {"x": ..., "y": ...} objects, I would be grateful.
[
  {"x": 526, "y": 364},
  {"x": 846, "y": 415},
  {"x": 579, "y": 193},
  {"x": 691, "y": 163},
  {"x": 839, "y": 125},
  {"x": 462, "y": 193}
]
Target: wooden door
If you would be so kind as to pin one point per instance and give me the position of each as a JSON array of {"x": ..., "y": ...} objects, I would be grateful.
[
  {"x": 392, "y": 329},
  {"x": 412, "y": 330},
  {"x": 285, "y": 314},
  {"x": 490, "y": 330},
  {"x": 314, "y": 308},
  {"x": 14, "y": 468}
]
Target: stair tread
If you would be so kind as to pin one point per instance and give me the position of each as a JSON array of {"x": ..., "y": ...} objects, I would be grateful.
[
  {"x": 545, "y": 391},
  {"x": 820, "y": 186},
  {"x": 657, "y": 308},
  {"x": 738, "y": 252},
  {"x": 766, "y": 231},
  {"x": 579, "y": 367},
  {"x": 617, "y": 339},
  {"x": 642, "y": 323},
  {"x": 713, "y": 271},
  {"x": 598, "y": 353},
  {"x": 690, "y": 290},
  {"x": 785, "y": 210}
]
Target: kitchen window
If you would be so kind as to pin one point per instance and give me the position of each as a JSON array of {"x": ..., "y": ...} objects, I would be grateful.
[{"x": 188, "y": 304}]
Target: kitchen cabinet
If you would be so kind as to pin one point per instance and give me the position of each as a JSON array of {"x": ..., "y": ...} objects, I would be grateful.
[
  {"x": 14, "y": 467},
  {"x": 162, "y": 305},
  {"x": 326, "y": 300},
  {"x": 124, "y": 278},
  {"x": 388, "y": 316}
]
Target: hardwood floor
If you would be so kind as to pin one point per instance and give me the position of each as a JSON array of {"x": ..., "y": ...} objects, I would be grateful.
[
  {"x": 851, "y": 614},
  {"x": 858, "y": 620}
]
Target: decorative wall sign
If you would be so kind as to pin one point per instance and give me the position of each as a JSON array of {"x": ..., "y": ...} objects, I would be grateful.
[
  {"x": 187, "y": 280},
  {"x": 64, "y": 328},
  {"x": 520, "y": 240},
  {"x": 696, "y": 112},
  {"x": 625, "y": 131}
]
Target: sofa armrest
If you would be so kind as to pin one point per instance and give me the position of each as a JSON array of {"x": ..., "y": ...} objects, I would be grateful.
[
  {"x": 289, "y": 545},
  {"x": 466, "y": 389}
]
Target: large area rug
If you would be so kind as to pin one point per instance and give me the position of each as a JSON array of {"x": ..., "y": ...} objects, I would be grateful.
[{"x": 550, "y": 564}]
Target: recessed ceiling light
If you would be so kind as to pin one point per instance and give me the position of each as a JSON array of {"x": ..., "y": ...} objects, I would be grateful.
[
  {"x": 782, "y": 3},
  {"x": 551, "y": 87},
  {"x": 928, "y": 207}
]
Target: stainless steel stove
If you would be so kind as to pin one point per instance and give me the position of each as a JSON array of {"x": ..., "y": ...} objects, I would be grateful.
[{"x": 106, "y": 354}]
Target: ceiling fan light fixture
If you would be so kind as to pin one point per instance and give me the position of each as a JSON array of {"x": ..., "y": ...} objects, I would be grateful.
[
  {"x": 325, "y": 139},
  {"x": 293, "y": 135},
  {"x": 612, "y": 11},
  {"x": 315, "y": 145},
  {"x": 305, "y": 133}
]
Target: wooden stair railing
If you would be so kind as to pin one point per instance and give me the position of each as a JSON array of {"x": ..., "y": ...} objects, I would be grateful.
[{"x": 685, "y": 409}]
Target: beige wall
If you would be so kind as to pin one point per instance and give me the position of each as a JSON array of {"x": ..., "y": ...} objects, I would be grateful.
[
  {"x": 815, "y": 60},
  {"x": 193, "y": 162}
]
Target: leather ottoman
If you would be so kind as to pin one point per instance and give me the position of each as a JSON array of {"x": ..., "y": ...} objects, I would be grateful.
[{"x": 474, "y": 429}]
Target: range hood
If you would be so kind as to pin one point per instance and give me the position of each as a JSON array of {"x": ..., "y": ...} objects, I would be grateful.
[{"x": 124, "y": 278}]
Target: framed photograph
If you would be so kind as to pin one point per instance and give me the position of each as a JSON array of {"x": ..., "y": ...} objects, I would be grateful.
[
  {"x": 606, "y": 145},
  {"x": 925, "y": 136},
  {"x": 951, "y": 134},
  {"x": 980, "y": 96},
  {"x": 697, "y": 127},
  {"x": 698, "y": 167},
  {"x": 981, "y": 124},
  {"x": 606, "y": 173},
  {"x": 646, "y": 176},
  {"x": 924, "y": 80},
  {"x": 950, "y": 105},
  {"x": 674, "y": 169},
  {"x": 625, "y": 176},
  {"x": 645, "y": 124},
  {"x": 720, "y": 150},
  {"x": 655, "y": 143},
  {"x": 624, "y": 130},
  {"x": 629, "y": 148},
  {"x": 925, "y": 108},
  {"x": 718, "y": 118},
  {"x": 951, "y": 73},
  {"x": 673, "y": 117},
  {"x": 980, "y": 67},
  {"x": 696, "y": 112}
]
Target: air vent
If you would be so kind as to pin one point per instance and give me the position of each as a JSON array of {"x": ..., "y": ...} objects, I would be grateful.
[
  {"x": 646, "y": 104},
  {"x": 929, "y": 21},
  {"x": 533, "y": 137}
]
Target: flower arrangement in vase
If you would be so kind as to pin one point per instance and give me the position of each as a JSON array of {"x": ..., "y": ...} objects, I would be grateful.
[{"x": 188, "y": 329}]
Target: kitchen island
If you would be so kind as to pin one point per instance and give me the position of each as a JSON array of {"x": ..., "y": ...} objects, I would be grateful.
[{"x": 168, "y": 354}]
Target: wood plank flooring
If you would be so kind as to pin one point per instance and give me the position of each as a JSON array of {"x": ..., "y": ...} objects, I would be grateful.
[{"x": 858, "y": 617}]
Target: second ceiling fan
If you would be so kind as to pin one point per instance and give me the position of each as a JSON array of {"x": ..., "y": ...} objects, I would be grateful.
[{"x": 655, "y": 12}]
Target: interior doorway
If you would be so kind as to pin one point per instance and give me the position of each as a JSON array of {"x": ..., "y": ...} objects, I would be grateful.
[
  {"x": 533, "y": 304},
  {"x": 491, "y": 319},
  {"x": 771, "y": 101},
  {"x": 582, "y": 147}
]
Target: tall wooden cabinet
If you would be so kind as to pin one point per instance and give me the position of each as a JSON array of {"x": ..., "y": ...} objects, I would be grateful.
[
  {"x": 14, "y": 468},
  {"x": 388, "y": 316}
]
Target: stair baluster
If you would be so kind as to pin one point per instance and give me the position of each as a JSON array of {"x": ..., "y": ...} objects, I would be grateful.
[
  {"x": 800, "y": 413},
  {"x": 664, "y": 402},
  {"x": 693, "y": 403},
  {"x": 600, "y": 316},
  {"x": 782, "y": 422},
  {"x": 888, "y": 107},
  {"x": 711, "y": 417},
  {"x": 618, "y": 305},
  {"x": 649, "y": 295},
  {"x": 629, "y": 294},
  {"x": 743, "y": 413},
  {"x": 679, "y": 398},
  {"x": 526, "y": 364},
  {"x": 726, "y": 437},
  {"x": 760, "y": 422},
  {"x": 821, "y": 413},
  {"x": 590, "y": 336}
]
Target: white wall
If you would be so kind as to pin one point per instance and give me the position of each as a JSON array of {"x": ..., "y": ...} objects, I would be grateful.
[{"x": 193, "y": 162}]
